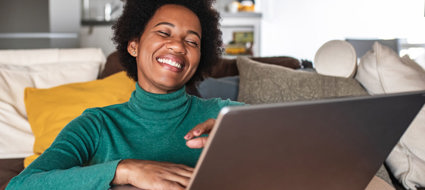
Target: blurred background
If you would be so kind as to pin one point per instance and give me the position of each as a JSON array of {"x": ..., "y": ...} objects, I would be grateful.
[{"x": 260, "y": 27}]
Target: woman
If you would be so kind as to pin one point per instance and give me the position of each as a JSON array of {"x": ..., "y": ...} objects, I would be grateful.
[{"x": 151, "y": 141}]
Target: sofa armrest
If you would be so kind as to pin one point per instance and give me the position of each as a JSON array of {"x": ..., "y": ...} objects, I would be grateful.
[{"x": 9, "y": 168}]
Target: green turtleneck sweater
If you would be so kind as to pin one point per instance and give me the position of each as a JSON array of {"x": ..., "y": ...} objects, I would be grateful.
[{"x": 149, "y": 126}]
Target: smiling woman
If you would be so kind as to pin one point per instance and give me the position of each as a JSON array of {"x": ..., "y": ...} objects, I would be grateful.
[
  {"x": 135, "y": 20},
  {"x": 153, "y": 140},
  {"x": 167, "y": 53}
]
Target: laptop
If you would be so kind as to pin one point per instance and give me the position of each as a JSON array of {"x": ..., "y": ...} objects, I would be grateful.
[
  {"x": 323, "y": 144},
  {"x": 326, "y": 144}
]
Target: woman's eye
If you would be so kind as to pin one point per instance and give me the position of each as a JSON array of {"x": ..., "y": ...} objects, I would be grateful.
[
  {"x": 192, "y": 43},
  {"x": 163, "y": 34}
]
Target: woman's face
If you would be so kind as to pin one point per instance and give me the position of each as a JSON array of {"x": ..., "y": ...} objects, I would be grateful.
[{"x": 168, "y": 52}]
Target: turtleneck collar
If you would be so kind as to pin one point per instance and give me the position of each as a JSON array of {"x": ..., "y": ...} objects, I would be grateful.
[{"x": 157, "y": 107}]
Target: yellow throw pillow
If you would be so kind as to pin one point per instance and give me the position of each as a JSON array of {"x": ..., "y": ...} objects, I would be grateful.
[{"x": 49, "y": 110}]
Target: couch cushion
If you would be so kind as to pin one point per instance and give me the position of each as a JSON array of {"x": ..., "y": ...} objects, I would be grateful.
[
  {"x": 262, "y": 83},
  {"x": 49, "y": 110},
  {"x": 382, "y": 71},
  {"x": 16, "y": 138}
]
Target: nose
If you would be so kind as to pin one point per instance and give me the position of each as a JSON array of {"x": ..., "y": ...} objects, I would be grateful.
[{"x": 177, "y": 46}]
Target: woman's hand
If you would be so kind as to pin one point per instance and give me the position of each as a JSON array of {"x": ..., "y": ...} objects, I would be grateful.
[
  {"x": 198, "y": 130},
  {"x": 152, "y": 175}
]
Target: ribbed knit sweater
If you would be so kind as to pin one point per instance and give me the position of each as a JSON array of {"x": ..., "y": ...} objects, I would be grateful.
[{"x": 149, "y": 126}]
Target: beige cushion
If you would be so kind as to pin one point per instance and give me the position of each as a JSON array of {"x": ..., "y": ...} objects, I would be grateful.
[
  {"x": 382, "y": 71},
  {"x": 264, "y": 83},
  {"x": 16, "y": 138}
]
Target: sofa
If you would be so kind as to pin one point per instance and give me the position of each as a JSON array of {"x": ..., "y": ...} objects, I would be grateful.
[{"x": 253, "y": 80}]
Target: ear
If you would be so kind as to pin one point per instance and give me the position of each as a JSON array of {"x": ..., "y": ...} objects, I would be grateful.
[{"x": 132, "y": 48}]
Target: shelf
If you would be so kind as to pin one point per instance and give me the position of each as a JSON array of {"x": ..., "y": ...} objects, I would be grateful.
[
  {"x": 227, "y": 56},
  {"x": 241, "y": 14},
  {"x": 242, "y": 22},
  {"x": 97, "y": 22}
]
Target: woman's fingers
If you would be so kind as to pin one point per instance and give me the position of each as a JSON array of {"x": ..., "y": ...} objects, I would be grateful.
[
  {"x": 174, "y": 176},
  {"x": 202, "y": 128},
  {"x": 198, "y": 130},
  {"x": 155, "y": 175},
  {"x": 166, "y": 184},
  {"x": 179, "y": 178},
  {"x": 197, "y": 142},
  {"x": 180, "y": 169}
]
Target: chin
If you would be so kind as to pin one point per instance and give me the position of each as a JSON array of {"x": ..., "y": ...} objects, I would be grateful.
[{"x": 171, "y": 87}]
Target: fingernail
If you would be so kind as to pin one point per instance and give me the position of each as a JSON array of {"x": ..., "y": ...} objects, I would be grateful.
[{"x": 187, "y": 136}]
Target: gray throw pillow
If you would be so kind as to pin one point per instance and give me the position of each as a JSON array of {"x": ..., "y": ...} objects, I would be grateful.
[
  {"x": 224, "y": 88},
  {"x": 265, "y": 83}
]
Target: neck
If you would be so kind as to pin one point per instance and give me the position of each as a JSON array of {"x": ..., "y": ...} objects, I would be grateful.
[{"x": 156, "y": 90}]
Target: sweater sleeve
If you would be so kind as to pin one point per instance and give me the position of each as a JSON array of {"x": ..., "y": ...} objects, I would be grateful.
[
  {"x": 228, "y": 102},
  {"x": 64, "y": 165}
]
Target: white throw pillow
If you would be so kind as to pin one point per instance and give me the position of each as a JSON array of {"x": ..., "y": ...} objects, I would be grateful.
[
  {"x": 16, "y": 139},
  {"x": 39, "y": 68},
  {"x": 382, "y": 71},
  {"x": 49, "y": 56},
  {"x": 15, "y": 78}
]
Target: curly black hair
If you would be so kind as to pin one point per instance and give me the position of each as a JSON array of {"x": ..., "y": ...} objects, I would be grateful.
[{"x": 136, "y": 15}]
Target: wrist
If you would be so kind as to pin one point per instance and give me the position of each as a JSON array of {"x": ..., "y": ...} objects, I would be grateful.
[{"x": 122, "y": 173}]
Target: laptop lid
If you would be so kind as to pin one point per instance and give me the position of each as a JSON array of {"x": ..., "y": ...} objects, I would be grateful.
[{"x": 325, "y": 144}]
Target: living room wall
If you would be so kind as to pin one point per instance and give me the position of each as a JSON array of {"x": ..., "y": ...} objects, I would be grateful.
[{"x": 299, "y": 28}]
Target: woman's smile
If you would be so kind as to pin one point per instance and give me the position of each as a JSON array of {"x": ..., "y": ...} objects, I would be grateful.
[{"x": 171, "y": 63}]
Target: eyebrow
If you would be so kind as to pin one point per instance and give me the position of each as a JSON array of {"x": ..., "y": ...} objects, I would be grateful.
[{"x": 172, "y": 25}]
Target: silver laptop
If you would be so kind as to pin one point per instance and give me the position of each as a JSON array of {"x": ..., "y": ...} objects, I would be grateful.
[{"x": 327, "y": 144}]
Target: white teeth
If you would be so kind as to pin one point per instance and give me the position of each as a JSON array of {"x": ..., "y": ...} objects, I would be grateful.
[{"x": 170, "y": 62}]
